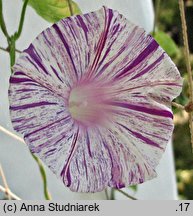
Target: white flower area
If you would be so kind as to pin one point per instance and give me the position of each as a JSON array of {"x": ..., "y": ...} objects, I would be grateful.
[{"x": 21, "y": 170}]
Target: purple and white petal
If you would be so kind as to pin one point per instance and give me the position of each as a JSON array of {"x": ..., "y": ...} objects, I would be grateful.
[
  {"x": 92, "y": 97},
  {"x": 89, "y": 167}
]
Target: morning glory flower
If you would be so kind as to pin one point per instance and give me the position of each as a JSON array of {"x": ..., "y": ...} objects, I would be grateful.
[{"x": 92, "y": 97}]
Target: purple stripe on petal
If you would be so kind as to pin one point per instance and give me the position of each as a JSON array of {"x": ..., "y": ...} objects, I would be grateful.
[
  {"x": 149, "y": 68},
  {"x": 66, "y": 169},
  {"x": 57, "y": 29},
  {"x": 148, "y": 50},
  {"x": 140, "y": 136},
  {"x": 47, "y": 143},
  {"x": 120, "y": 51},
  {"x": 42, "y": 128},
  {"x": 18, "y": 73},
  {"x": 68, "y": 177},
  {"x": 19, "y": 80},
  {"x": 83, "y": 25},
  {"x": 103, "y": 38},
  {"x": 50, "y": 152},
  {"x": 33, "y": 105},
  {"x": 56, "y": 73},
  {"x": 25, "y": 90},
  {"x": 21, "y": 120},
  {"x": 88, "y": 144},
  {"x": 36, "y": 58},
  {"x": 151, "y": 111},
  {"x": 85, "y": 165}
]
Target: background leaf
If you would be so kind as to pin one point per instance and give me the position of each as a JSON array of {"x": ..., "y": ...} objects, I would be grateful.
[
  {"x": 133, "y": 187},
  {"x": 54, "y": 10},
  {"x": 167, "y": 43}
]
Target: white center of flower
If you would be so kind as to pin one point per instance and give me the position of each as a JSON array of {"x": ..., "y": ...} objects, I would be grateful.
[{"x": 85, "y": 104}]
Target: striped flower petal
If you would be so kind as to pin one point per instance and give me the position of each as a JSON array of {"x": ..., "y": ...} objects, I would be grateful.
[{"x": 91, "y": 96}]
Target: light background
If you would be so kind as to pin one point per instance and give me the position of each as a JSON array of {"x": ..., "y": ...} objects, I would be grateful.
[{"x": 20, "y": 169}]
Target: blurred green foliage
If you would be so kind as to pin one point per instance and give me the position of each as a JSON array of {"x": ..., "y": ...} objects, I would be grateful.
[
  {"x": 54, "y": 10},
  {"x": 169, "y": 36},
  {"x": 167, "y": 43},
  {"x": 184, "y": 161}
]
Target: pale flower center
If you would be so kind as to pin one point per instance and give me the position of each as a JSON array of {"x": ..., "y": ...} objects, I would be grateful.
[{"x": 85, "y": 104}]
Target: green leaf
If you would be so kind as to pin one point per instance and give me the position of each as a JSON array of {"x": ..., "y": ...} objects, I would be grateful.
[
  {"x": 54, "y": 10},
  {"x": 133, "y": 187},
  {"x": 167, "y": 43}
]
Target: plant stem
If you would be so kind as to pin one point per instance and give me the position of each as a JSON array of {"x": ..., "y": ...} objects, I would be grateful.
[
  {"x": 11, "y": 45},
  {"x": 112, "y": 195},
  {"x": 18, "y": 33},
  {"x": 3, "y": 49},
  {"x": 5, "y": 183},
  {"x": 70, "y": 7},
  {"x": 12, "y": 51},
  {"x": 2, "y": 22},
  {"x": 10, "y": 193},
  {"x": 188, "y": 64},
  {"x": 186, "y": 48},
  {"x": 157, "y": 7},
  {"x": 106, "y": 194},
  {"x": 43, "y": 174},
  {"x": 127, "y": 195},
  {"x": 42, "y": 171},
  {"x": 10, "y": 134},
  {"x": 11, "y": 40},
  {"x": 7, "y": 50},
  {"x": 179, "y": 106}
]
